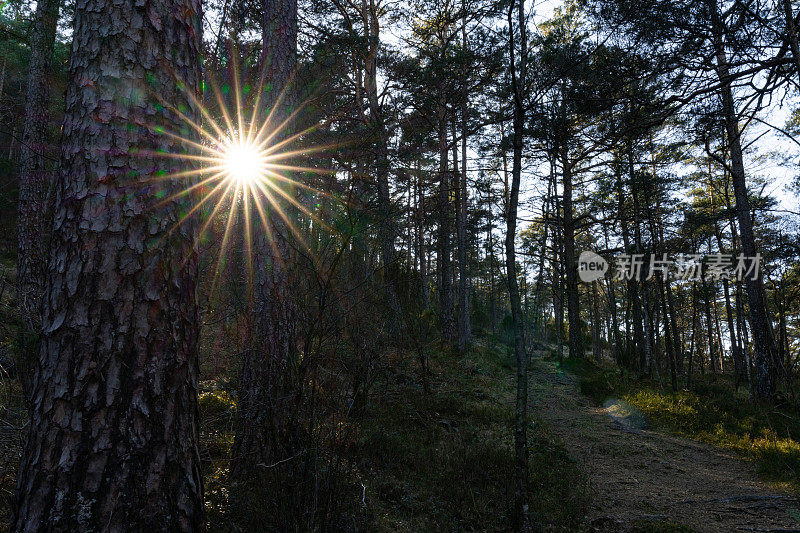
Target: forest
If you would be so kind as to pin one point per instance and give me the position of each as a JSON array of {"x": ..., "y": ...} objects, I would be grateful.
[{"x": 419, "y": 265}]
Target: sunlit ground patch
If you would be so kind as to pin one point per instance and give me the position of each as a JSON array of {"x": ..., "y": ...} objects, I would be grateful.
[{"x": 625, "y": 414}]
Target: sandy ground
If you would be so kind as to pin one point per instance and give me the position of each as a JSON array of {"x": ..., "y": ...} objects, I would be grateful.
[{"x": 640, "y": 475}]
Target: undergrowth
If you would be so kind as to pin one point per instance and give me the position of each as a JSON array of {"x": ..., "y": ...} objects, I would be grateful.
[
  {"x": 12, "y": 412},
  {"x": 425, "y": 461},
  {"x": 443, "y": 461}
]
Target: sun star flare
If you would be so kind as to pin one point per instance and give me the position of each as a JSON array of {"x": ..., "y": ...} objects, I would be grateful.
[{"x": 245, "y": 163}]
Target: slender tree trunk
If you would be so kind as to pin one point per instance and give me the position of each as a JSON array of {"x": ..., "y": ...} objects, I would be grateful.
[
  {"x": 640, "y": 303},
  {"x": 112, "y": 439},
  {"x": 764, "y": 345},
  {"x": 464, "y": 333},
  {"x": 411, "y": 258},
  {"x": 693, "y": 343},
  {"x": 596, "y": 335},
  {"x": 518, "y": 82},
  {"x": 720, "y": 352},
  {"x": 678, "y": 347},
  {"x": 791, "y": 33},
  {"x": 670, "y": 319},
  {"x": 712, "y": 354},
  {"x": 740, "y": 339},
  {"x": 558, "y": 279},
  {"x": 782, "y": 347},
  {"x": 423, "y": 254},
  {"x": 540, "y": 321},
  {"x": 444, "y": 247},
  {"x": 735, "y": 348},
  {"x": 668, "y": 335},
  {"x": 612, "y": 305},
  {"x": 34, "y": 184},
  {"x": 633, "y": 284},
  {"x": 493, "y": 296},
  {"x": 386, "y": 226},
  {"x": 570, "y": 261}
]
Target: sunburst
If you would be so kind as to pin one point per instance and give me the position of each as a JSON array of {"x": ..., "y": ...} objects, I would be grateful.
[
  {"x": 245, "y": 162},
  {"x": 243, "y": 166}
]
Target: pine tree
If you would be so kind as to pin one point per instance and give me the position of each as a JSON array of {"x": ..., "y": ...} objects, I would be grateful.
[{"x": 112, "y": 439}]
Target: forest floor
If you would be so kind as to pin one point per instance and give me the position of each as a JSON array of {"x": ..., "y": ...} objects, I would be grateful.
[
  {"x": 643, "y": 476},
  {"x": 442, "y": 460},
  {"x": 12, "y": 415}
]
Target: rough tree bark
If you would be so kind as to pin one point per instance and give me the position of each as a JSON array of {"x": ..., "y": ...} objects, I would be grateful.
[
  {"x": 35, "y": 173},
  {"x": 268, "y": 390},
  {"x": 112, "y": 439}
]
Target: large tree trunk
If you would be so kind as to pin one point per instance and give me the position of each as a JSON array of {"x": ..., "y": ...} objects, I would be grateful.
[
  {"x": 764, "y": 345},
  {"x": 269, "y": 389},
  {"x": 34, "y": 184},
  {"x": 266, "y": 429},
  {"x": 112, "y": 440}
]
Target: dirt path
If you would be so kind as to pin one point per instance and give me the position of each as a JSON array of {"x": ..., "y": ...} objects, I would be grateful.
[{"x": 641, "y": 475}]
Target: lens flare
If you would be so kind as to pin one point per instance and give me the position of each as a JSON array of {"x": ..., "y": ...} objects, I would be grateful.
[
  {"x": 245, "y": 163},
  {"x": 245, "y": 167}
]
